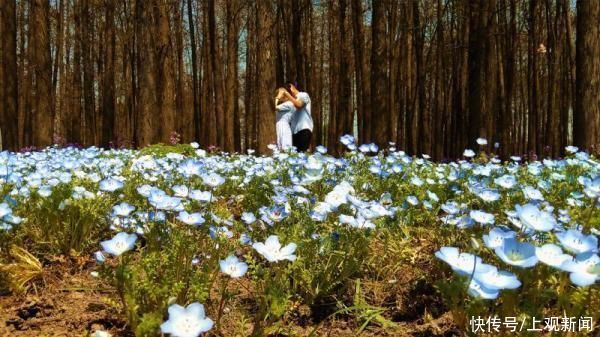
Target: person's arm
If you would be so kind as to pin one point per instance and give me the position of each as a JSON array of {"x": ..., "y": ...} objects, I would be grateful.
[
  {"x": 284, "y": 107},
  {"x": 298, "y": 103}
]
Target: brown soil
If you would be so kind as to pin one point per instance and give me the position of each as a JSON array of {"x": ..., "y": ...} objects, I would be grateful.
[{"x": 70, "y": 302}]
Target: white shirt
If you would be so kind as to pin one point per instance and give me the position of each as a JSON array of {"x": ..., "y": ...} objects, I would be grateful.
[
  {"x": 302, "y": 118},
  {"x": 282, "y": 126}
]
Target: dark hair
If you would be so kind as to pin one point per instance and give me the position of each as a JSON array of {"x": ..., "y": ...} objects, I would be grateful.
[{"x": 288, "y": 85}]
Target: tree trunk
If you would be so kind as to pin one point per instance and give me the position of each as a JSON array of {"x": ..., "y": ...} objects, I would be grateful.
[
  {"x": 108, "y": 76},
  {"x": 9, "y": 105},
  {"x": 381, "y": 121},
  {"x": 586, "y": 117},
  {"x": 231, "y": 118},
  {"x": 265, "y": 60},
  {"x": 41, "y": 68}
]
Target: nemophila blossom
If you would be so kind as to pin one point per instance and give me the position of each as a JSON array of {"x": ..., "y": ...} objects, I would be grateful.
[
  {"x": 99, "y": 257},
  {"x": 532, "y": 193},
  {"x": 356, "y": 222},
  {"x": 552, "y": 255},
  {"x": 416, "y": 181},
  {"x": 518, "y": 254},
  {"x": 5, "y": 210},
  {"x": 272, "y": 250},
  {"x": 276, "y": 213},
  {"x": 13, "y": 219},
  {"x": 202, "y": 196},
  {"x": 450, "y": 207},
  {"x": 534, "y": 218},
  {"x": 119, "y": 244},
  {"x": 45, "y": 191},
  {"x": 411, "y": 199},
  {"x": 180, "y": 191},
  {"x": 592, "y": 189},
  {"x": 584, "y": 269},
  {"x": 482, "y": 217},
  {"x": 478, "y": 290},
  {"x": 186, "y": 322},
  {"x": 233, "y": 267},
  {"x": 321, "y": 149},
  {"x": 220, "y": 232},
  {"x": 190, "y": 218},
  {"x": 110, "y": 185},
  {"x": 571, "y": 149},
  {"x": 336, "y": 198},
  {"x": 495, "y": 238},
  {"x": 123, "y": 209},
  {"x": 497, "y": 279},
  {"x": 469, "y": 153},
  {"x": 190, "y": 168},
  {"x": 245, "y": 239},
  {"x": 213, "y": 180},
  {"x": 488, "y": 195},
  {"x": 347, "y": 139},
  {"x": 482, "y": 141},
  {"x": 462, "y": 263},
  {"x": 248, "y": 218},
  {"x": 577, "y": 242}
]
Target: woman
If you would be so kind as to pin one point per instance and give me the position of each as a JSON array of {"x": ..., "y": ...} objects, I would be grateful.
[{"x": 285, "y": 110}]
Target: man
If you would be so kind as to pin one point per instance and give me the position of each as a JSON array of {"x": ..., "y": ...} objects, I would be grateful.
[{"x": 302, "y": 123}]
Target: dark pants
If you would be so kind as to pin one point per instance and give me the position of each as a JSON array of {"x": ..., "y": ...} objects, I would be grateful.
[{"x": 301, "y": 140}]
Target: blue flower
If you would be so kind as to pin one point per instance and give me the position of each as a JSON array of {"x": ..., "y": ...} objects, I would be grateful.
[
  {"x": 462, "y": 263},
  {"x": 213, "y": 180},
  {"x": 248, "y": 218},
  {"x": 534, "y": 218},
  {"x": 552, "y": 255},
  {"x": 233, "y": 267},
  {"x": 519, "y": 254},
  {"x": 495, "y": 238},
  {"x": 123, "y": 209},
  {"x": 506, "y": 181},
  {"x": 4, "y": 210},
  {"x": 576, "y": 242},
  {"x": 497, "y": 279},
  {"x": 202, "y": 196},
  {"x": 584, "y": 269},
  {"x": 220, "y": 232},
  {"x": 190, "y": 218},
  {"x": 190, "y": 168},
  {"x": 488, "y": 195},
  {"x": 482, "y": 217},
  {"x": 119, "y": 244},
  {"x": 476, "y": 289},
  {"x": 186, "y": 322},
  {"x": 272, "y": 250},
  {"x": 110, "y": 185}
]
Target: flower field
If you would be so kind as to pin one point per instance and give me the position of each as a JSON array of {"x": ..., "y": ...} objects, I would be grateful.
[{"x": 175, "y": 241}]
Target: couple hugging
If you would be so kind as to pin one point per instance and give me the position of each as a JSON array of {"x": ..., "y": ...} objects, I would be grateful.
[{"x": 294, "y": 123}]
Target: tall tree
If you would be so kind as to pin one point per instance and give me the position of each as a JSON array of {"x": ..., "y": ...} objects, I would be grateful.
[
  {"x": 164, "y": 63},
  {"x": 195, "y": 102},
  {"x": 231, "y": 118},
  {"x": 381, "y": 123},
  {"x": 108, "y": 75},
  {"x": 587, "y": 102},
  {"x": 41, "y": 73},
  {"x": 265, "y": 59},
  {"x": 9, "y": 104}
]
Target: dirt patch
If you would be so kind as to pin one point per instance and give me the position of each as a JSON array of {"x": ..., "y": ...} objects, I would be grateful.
[{"x": 69, "y": 303}]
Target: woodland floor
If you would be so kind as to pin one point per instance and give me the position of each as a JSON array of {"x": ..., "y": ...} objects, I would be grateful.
[{"x": 70, "y": 302}]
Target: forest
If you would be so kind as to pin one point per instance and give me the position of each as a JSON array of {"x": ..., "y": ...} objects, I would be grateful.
[
  {"x": 430, "y": 76},
  {"x": 300, "y": 168}
]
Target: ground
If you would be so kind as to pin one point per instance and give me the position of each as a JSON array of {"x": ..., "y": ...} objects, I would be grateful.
[{"x": 69, "y": 301}]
